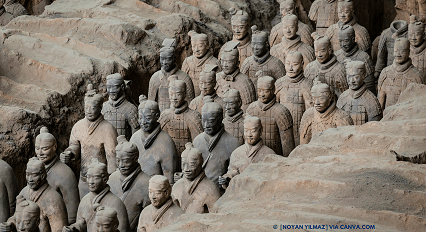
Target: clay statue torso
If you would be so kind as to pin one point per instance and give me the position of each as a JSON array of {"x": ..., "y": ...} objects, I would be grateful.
[
  {"x": 122, "y": 114},
  {"x": 362, "y": 38},
  {"x": 272, "y": 66},
  {"x": 197, "y": 103},
  {"x": 282, "y": 49},
  {"x": 8, "y": 177},
  {"x": 418, "y": 57},
  {"x": 152, "y": 219},
  {"x": 304, "y": 31},
  {"x": 324, "y": 13},
  {"x": 244, "y": 49},
  {"x": 235, "y": 126}
]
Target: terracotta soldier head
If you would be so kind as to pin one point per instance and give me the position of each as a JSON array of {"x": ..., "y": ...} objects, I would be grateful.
[
  {"x": 240, "y": 22},
  {"x": 192, "y": 162},
  {"x": 294, "y": 64},
  {"x": 208, "y": 79},
  {"x": 232, "y": 102},
  {"x": 252, "y": 130},
  {"x": 265, "y": 87},
  {"x": 45, "y": 146},
  {"x": 35, "y": 173},
  {"x": 97, "y": 176},
  {"x": 356, "y": 73},
  {"x": 229, "y": 59},
  {"x": 167, "y": 54},
  {"x": 115, "y": 86},
  {"x": 200, "y": 44},
  {"x": 290, "y": 24},
  {"x": 287, "y": 7},
  {"x": 212, "y": 116},
  {"x": 27, "y": 215},
  {"x": 259, "y": 42},
  {"x": 322, "y": 96},
  {"x": 177, "y": 90},
  {"x": 106, "y": 219},
  {"x": 322, "y": 47},
  {"x": 127, "y": 155},
  {"x": 401, "y": 50},
  {"x": 346, "y": 10},
  {"x": 159, "y": 190},
  {"x": 347, "y": 38},
  {"x": 416, "y": 32},
  {"x": 92, "y": 104},
  {"x": 149, "y": 112}
]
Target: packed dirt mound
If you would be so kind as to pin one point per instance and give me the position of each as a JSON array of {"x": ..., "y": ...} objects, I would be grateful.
[{"x": 344, "y": 176}]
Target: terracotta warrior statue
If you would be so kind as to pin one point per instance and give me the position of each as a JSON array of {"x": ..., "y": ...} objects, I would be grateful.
[
  {"x": 416, "y": 36},
  {"x": 396, "y": 77},
  {"x": 194, "y": 193},
  {"x": 207, "y": 86},
  {"x": 107, "y": 220},
  {"x": 9, "y": 179},
  {"x": 292, "y": 42},
  {"x": 261, "y": 58},
  {"x": 159, "y": 83},
  {"x": 324, "y": 13},
  {"x": 162, "y": 212},
  {"x": 234, "y": 115},
  {"x": 5, "y": 17},
  {"x": 359, "y": 102},
  {"x": 252, "y": 151},
  {"x": 99, "y": 196},
  {"x": 288, "y": 7},
  {"x": 53, "y": 212},
  {"x": 276, "y": 118},
  {"x": 215, "y": 143},
  {"x": 350, "y": 50},
  {"x": 4, "y": 203},
  {"x": 91, "y": 137},
  {"x": 347, "y": 17},
  {"x": 118, "y": 111},
  {"x": 129, "y": 182},
  {"x": 323, "y": 115},
  {"x": 157, "y": 150},
  {"x": 59, "y": 176},
  {"x": 240, "y": 22},
  {"x": 202, "y": 56},
  {"x": 39, "y": 5},
  {"x": 15, "y": 8},
  {"x": 232, "y": 78},
  {"x": 26, "y": 217},
  {"x": 326, "y": 68},
  {"x": 180, "y": 122},
  {"x": 294, "y": 91},
  {"x": 385, "y": 57}
]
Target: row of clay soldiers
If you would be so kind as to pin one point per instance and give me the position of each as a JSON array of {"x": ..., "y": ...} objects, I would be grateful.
[{"x": 10, "y": 9}]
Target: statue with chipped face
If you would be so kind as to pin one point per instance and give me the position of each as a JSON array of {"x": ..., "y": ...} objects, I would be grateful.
[
  {"x": 326, "y": 68},
  {"x": 292, "y": 41},
  {"x": 240, "y": 22},
  {"x": 162, "y": 212},
  {"x": 323, "y": 115},
  {"x": 276, "y": 119},
  {"x": 288, "y": 7},
  {"x": 395, "y": 78},
  {"x": 232, "y": 78},
  {"x": 347, "y": 17},
  {"x": 294, "y": 91},
  {"x": 417, "y": 38},
  {"x": 59, "y": 175},
  {"x": 53, "y": 212},
  {"x": 158, "y": 89},
  {"x": 201, "y": 57},
  {"x": 324, "y": 13},
  {"x": 157, "y": 150},
  {"x": 194, "y": 193},
  {"x": 350, "y": 50},
  {"x": 207, "y": 86},
  {"x": 234, "y": 115},
  {"x": 359, "y": 102},
  {"x": 261, "y": 58}
]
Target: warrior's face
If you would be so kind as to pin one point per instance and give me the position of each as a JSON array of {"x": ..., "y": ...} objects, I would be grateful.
[
  {"x": 252, "y": 132},
  {"x": 346, "y": 13},
  {"x": 158, "y": 194},
  {"x": 293, "y": 65},
  {"x": 401, "y": 52},
  {"x": 92, "y": 110},
  {"x": 346, "y": 41},
  {"x": 265, "y": 91},
  {"x": 148, "y": 119},
  {"x": 115, "y": 89},
  {"x": 212, "y": 122},
  {"x": 35, "y": 177},
  {"x": 207, "y": 84},
  {"x": 199, "y": 48},
  {"x": 27, "y": 222},
  {"x": 416, "y": 36},
  {"x": 355, "y": 80},
  {"x": 321, "y": 97},
  {"x": 323, "y": 52},
  {"x": 104, "y": 224},
  {"x": 45, "y": 150},
  {"x": 259, "y": 45},
  {"x": 126, "y": 163},
  {"x": 167, "y": 61},
  {"x": 240, "y": 31},
  {"x": 177, "y": 96},
  {"x": 191, "y": 167},
  {"x": 232, "y": 105},
  {"x": 287, "y": 8},
  {"x": 229, "y": 63},
  {"x": 290, "y": 28},
  {"x": 96, "y": 180}
]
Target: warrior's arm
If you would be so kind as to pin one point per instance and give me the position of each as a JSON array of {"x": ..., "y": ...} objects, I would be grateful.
[
  {"x": 132, "y": 119},
  {"x": 70, "y": 194},
  {"x": 287, "y": 140},
  {"x": 74, "y": 145},
  {"x": 109, "y": 145},
  {"x": 305, "y": 129},
  {"x": 4, "y": 202},
  {"x": 168, "y": 163},
  {"x": 57, "y": 215}
]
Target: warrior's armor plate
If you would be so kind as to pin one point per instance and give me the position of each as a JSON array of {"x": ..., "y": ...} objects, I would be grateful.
[
  {"x": 271, "y": 67},
  {"x": 324, "y": 13},
  {"x": 123, "y": 115},
  {"x": 235, "y": 126}
]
